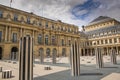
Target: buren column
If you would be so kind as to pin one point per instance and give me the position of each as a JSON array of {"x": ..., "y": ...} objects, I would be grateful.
[
  {"x": 99, "y": 58},
  {"x": 54, "y": 57},
  {"x": 113, "y": 56},
  {"x": 75, "y": 59},
  {"x": 26, "y": 58}
]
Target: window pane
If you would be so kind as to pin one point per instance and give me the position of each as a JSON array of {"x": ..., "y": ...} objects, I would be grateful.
[
  {"x": 14, "y": 37},
  {"x": 0, "y": 36}
]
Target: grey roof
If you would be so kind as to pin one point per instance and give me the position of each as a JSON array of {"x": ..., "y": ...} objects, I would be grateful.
[
  {"x": 116, "y": 27},
  {"x": 100, "y": 19}
]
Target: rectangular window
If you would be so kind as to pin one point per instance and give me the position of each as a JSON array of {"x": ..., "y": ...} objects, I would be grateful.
[
  {"x": 46, "y": 24},
  {"x": 0, "y": 36},
  {"x": 101, "y": 41},
  {"x": 1, "y": 14},
  {"x": 69, "y": 43},
  {"x": 106, "y": 41},
  {"x": 110, "y": 40},
  {"x": 14, "y": 37},
  {"x": 62, "y": 42},
  {"x": 115, "y": 40}
]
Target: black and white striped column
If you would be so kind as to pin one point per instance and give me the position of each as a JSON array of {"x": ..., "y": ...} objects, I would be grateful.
[
  {"x": 75, "y": 59},
  {"x": 54, "y": 58},
  {"x": 99, "y": 58},
  {"x": 113, "y": 56},
  {"x": 26, "y": 58},
  {"x": 41, "y": 58}
]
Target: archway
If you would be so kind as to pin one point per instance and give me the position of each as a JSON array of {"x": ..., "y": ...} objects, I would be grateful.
[
  {"x": 41, "y": 52},
  {"x": 0, "y": 53},
  {"x": 14, "y": 53},
  {"x": 47, "y": 52}
]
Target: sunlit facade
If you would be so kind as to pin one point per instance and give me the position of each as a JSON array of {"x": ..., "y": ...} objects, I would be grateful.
[
  {"x": 49, "y": 35},
  {"x": 102, "y": 32}
]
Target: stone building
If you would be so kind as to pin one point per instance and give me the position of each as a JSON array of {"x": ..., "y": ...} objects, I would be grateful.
[
  {"x": 102, "y": 32},
  {"x": 50, "y": 36}
]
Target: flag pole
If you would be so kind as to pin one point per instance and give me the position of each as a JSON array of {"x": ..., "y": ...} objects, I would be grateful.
[{"x": 10, "y": 3}]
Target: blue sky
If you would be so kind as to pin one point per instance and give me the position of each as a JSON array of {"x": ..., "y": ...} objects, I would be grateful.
[
  {"x": 77, "y": 12},
  {"x": 89, "y": 6}
]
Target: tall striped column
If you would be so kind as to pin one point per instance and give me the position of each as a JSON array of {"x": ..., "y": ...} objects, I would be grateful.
[
  {"x": 54, "y": 58},
  {"x": 75, "y": 59},
  {"x": 99, "y": 58},
  {"x": 41, "y": 57},
  {"x": 113, "y": 56},
  {"x": 26, "y": 58}
]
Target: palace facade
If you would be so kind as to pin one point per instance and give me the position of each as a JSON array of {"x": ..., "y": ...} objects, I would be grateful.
[
  {"x": 50, "y": 36},
  {"x": 102, "y": 32}
]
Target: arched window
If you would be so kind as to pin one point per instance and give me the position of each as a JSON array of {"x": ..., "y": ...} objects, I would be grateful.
[
  {"x": 40, "y": 39},
  {"x": 46, "y": 39},
  {"x": 47, "y": 52}
]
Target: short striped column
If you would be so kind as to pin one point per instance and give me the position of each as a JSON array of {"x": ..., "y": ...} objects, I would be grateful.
[
  {"x": 113, "y": 56},
  {"x": 99, "y": 58},
  {"x": 26, "y": 58},
  {"x": 75, "y": 59}
]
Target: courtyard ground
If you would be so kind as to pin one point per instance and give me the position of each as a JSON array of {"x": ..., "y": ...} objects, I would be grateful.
[{"x": 61, "y": 70}]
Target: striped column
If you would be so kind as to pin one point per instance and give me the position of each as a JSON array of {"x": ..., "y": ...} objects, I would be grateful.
[
  {"x": 75, "y": 59},
  {"x": 41, "y": 57},
  {"x": 99, "y": 58},
  {"x": 113, "y": 56},
  {"x": 54, "y": 58},
  {"x": 26, "y": 58}
]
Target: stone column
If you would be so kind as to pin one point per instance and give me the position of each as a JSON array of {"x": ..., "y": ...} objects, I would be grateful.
[
  {"x": 6, "y": 33},
  {"x": 99, "y": 58},
  {"x": 113, "y": 56},
  {"x": 9, "y": 34},
  {"x": 26, "y": 58},
  {"x": 75, "y": 59}
]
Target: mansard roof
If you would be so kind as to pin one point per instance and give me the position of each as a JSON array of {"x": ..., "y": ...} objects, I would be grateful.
[{"x": 100, "y": 19}]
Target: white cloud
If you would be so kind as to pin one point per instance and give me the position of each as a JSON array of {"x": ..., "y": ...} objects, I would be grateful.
[{"x": 61, "y": 9}]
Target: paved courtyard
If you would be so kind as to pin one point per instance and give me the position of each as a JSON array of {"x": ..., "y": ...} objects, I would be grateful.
[{"x": 61, "y": 70}]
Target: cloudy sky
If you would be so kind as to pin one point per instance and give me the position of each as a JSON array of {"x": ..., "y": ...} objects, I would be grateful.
[{"x": 78, "y": 12}]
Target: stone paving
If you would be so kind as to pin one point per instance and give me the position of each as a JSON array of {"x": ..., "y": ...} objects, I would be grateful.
[{"x": 61, "y": 70}]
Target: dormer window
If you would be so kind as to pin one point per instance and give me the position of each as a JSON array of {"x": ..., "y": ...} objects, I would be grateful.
[
  {"x": 28, "y": 20},
  {"x": 15, "y": 17}
]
